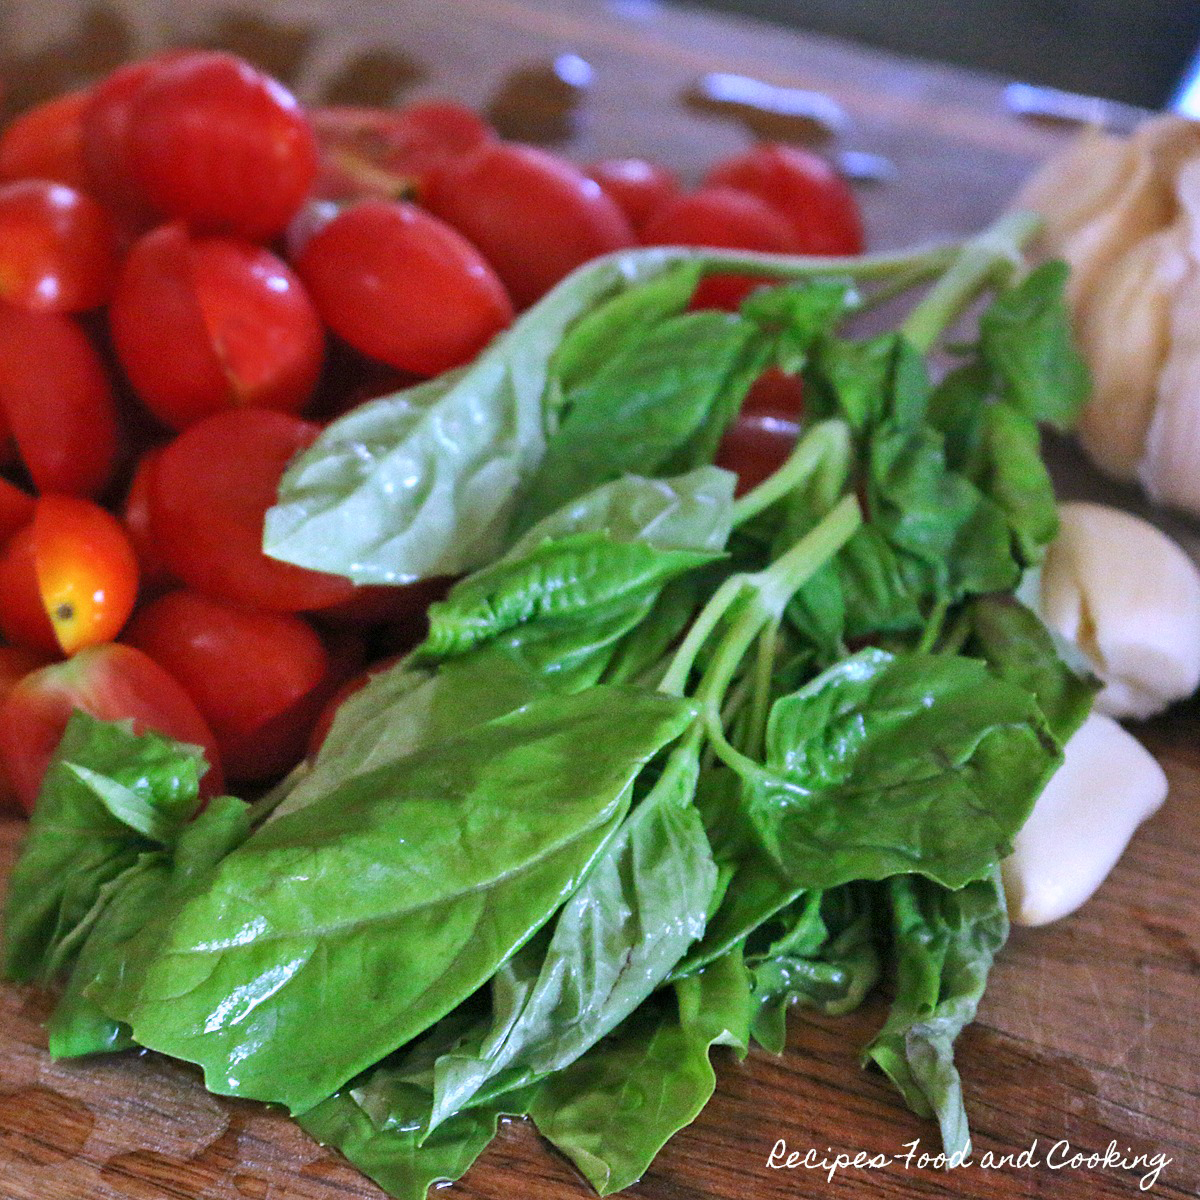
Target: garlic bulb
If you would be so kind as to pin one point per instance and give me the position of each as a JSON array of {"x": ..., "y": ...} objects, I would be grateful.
[
  {"x": 1125, "y": 214},
  {"x": 1106, "y": 787},
  {"x": 1129, "y": 598}
]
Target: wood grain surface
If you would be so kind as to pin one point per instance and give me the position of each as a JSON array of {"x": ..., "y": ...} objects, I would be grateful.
[{"x": 1090, "y": 1030}]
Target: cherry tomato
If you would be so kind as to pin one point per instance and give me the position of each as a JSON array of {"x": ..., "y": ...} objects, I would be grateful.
[
  {"x": 804, "y": 189},
  {"x": 106, "y": 119},
  {"x": 209, "y": 491},
  {"x": 47, "y": 143},
  {"x": 323, "y": 723},
  {"x": 404, "y": 287},
  {"x": 58, "y": 248},
  {"x": 724, "y": 218},
  {"x": 69, "y": 578},
  {"x": 776, "y": 393},
  {"x": 57, "y": 401},
  {"x": 202, "y": 324},
  {"x": 213, "y": 141},
  {"x": 112, "y": 682},
  {"x": 15, "y": 663},
  {"x": 384, "y": 154},
  {"x": 16, "y": 509},
  {"x": 637, "y": 186},
  {"x": 756, "y": 445},
  {"x": 250, "y": 673},
  {"x": 535, "y": 216},
  {"x": 135, "y": 515}
]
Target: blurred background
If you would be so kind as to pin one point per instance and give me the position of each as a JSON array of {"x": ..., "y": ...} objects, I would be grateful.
[{"x": 1137, "y": 51}]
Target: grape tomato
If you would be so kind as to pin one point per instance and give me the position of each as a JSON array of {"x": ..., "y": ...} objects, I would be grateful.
[
  {"x": 58, "y": 248},
  {"x": 209, "y": 492},
  {"x": 637, "y": 186},
  {"x": 46, "y": 142}
]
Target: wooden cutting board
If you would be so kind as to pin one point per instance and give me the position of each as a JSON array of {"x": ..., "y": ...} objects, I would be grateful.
[{"x": 1090, "y": 1030}]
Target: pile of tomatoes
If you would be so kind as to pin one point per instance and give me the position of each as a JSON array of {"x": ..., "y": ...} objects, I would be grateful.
[{"x": 195, "y": 274}]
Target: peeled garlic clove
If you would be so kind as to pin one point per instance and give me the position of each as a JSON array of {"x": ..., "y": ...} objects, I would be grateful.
[
  {"x": 1129, "y": 598},
  {"x": 1123, "y": 332},
  {"x": 1106, "y": 787}
]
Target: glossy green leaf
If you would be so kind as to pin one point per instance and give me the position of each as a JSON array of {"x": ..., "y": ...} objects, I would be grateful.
[
  {"x": 611, "y": 1111},
  {"x": 390, "y": 899},
  {"x": 886, "y": 764},
  {"x": 944, "y": 943},
  {"x": 1025, "y": 336},
  {"x": 658, "y": 408},
  {"x": 109, "y": 796},
  {"x": 643, "y": 902}
]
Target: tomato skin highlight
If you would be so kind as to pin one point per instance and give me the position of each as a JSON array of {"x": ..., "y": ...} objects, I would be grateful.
[
  {"x": 638, "y": 186},
  {"x": 112, "y": 682},
  {"x": 209, "y": 492},
  {"x": 534, "y": 216},
  {"x": 206, "y": 323},
  {"x": 725, "y": 218},
  {"x": 756, "y": 445},
  {"x": 403, "y": 287},
  {"x": 74, "y": 563},
  {"x": 249, "y": 672},
  {"x": 804, "y": 189},
  {"x": 57, "y": 401},
  {"x": 46, "y": 142},
  {"x": 58, "y": 248},
  {"x": 217, "y": 143}
]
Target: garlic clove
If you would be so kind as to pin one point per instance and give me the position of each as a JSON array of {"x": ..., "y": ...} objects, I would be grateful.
[
  {"x": 1106, "y": 787},
  {"x": 1123, "y": 332},
  {"x": 1129, "y": 598}
]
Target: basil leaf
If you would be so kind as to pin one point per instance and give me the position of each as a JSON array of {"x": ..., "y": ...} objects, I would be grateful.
[
  {"x": 423, "y": 482},
  {"x": 458, "y": 853},
  {"x": 819, "y": 953},
  {"x": 657, "y": 408},
  {"x": 568, "y": 578},
  {"x": 108, "y": 797},
  {"x": 395, "y": 1157},
  {"x": 78, "y": 1026},
  {"x": 1019, "y": 648},
  {"x": 887, "y": 764},
  {"x": 944, "y": 944},
  {"x": 612, "y": 1110},
  {"x": 1025, "y": 337},
  {"x": 644, "y": 901}
]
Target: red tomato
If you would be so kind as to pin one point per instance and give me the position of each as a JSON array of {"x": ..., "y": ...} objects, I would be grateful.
[
  {"x": 69, "y": 578},
  {"x": 15, "y": 663},
  {"x": 777, "y": 394},
  {"x": 57, "y": 401},
  {"x": 535, "y": 216},
  {"x": 803, "y": 188},
  {"x": 16, "y": 509},
  {"x": 721, "y": 217},
  {"x": 135, "y": 513},
  {"x": 47, "y": 143},
  {"x": 202, "y": 324},
  {"x": 638, "y": 187},
  {"x": 756, "y": 445},
  {"x": 320, "y": 729},
  {"x": 386, "y": 154},
  {"x": 209, "y": 492},
  {"x": 252, "y": 675},
  {"x": 106, "y": 119},
  {"x": 403, "y": 287},
  {"x": 112, "y": 682},
  {"x": 58, "y": 248},
  {"x": 212, "y": 140}
]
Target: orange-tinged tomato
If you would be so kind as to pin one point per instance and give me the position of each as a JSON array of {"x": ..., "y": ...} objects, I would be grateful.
[{"x": 68, "y": 579}]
